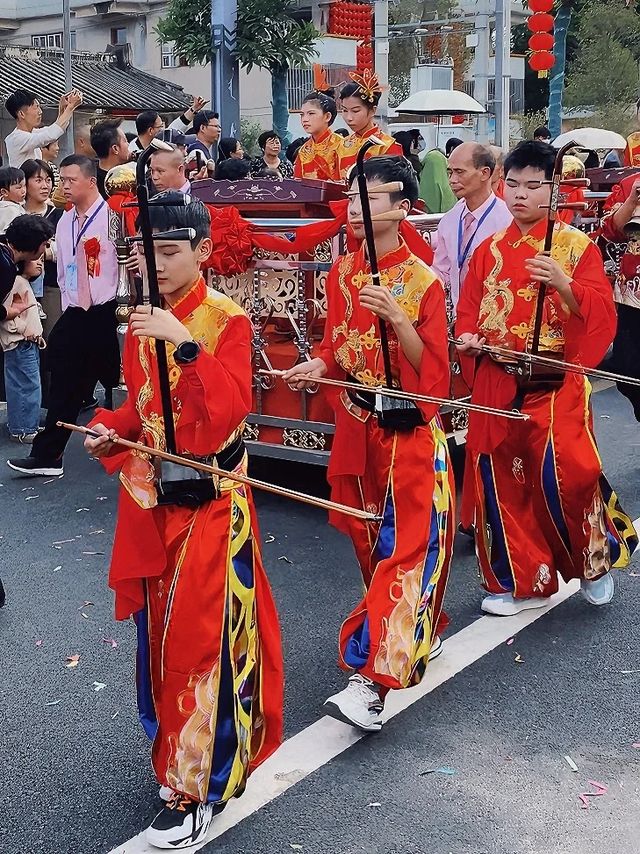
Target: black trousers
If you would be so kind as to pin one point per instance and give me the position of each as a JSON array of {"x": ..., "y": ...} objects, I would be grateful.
[
  {"x": 82, "y": 350},
  {"x": 626, "y": 353}
]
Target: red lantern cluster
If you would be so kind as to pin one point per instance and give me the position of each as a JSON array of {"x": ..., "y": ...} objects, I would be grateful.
[
  {"x": 541, "y": 42},
  {"x": 364, "y": 56},
  {"x": 354, "y": 20}
]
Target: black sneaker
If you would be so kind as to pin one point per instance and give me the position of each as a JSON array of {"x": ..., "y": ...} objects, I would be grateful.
[
  {"x": 181, "y": 823},
  {"x": 43, "y": 468}
]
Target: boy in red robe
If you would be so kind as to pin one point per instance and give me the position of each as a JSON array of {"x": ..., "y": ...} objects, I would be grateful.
[
  {"x": 404, "y": 476},
  {"x": 318, "y": 156},
  {"x": 209, "y": 666},
  {"x": 543, "y": 506}
]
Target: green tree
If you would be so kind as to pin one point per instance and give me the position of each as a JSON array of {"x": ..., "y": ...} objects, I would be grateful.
[
  {"x": 604, "y": 70},
  {"x": 556, "y": 83},
  {"x": 267, "y": 36}
]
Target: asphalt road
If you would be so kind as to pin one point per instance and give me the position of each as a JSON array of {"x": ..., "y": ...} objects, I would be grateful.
[{"x": 77, "y": 776}]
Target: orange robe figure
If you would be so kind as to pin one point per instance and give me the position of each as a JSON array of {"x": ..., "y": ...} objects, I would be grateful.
[
  {"x": 351, "y": 145},
  {"x": 543, "y": 506},
  {"x": 209, "y": 665},
  {"x": 318, "y": 158},
  {"x": 405, "y": 477},
  {"x": 632, "y": 151}
]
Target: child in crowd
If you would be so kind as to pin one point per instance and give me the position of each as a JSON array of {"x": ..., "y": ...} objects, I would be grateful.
[
  {"x": 13, "y": 190},
  {"x": 21, "y": 339}
]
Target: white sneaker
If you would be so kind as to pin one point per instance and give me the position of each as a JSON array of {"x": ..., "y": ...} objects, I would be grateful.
[
  {"x": 504, "y": 605},
  {"x": 359, "y": 705},
  {"x": 165, "y": 793},
  {"x": 436, "y": 648},
  {"x": 598, "y": 592},
  {"x": 181, "y": 823}
]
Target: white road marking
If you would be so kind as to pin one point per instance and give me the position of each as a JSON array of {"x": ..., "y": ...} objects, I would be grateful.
[{"x": 318, "y": 744}]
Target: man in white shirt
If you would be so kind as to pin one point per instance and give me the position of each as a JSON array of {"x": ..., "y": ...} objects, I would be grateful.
[
  {"x": 150, "y": 124},
  {"x": 25, "y": 141},
  {"x": 477, "y": 215}
]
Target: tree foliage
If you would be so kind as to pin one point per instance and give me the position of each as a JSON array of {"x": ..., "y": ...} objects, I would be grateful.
[
  {"x": 269, "y": 37},
  {"x": 188, "y": 25},
  {"x": 604, "y": 68},
  {"x": 267, "y": 34}
]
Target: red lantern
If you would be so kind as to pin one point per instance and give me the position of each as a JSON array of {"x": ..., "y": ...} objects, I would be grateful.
[
  {"x": 542, "y": 60},
  {"x": 541, "y": 5},
  {"x": 540, "y": 23},
  {"x": 458, "y": 120},
  {"x": 541, "y": 41}
]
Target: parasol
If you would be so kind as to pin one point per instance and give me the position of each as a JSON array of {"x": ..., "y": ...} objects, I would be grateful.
[
  {"x": 440, "y": 102},
  {"x": 597, "y": 139}
]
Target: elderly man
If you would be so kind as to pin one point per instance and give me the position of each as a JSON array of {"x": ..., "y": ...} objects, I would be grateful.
[
  {"x": 167, "y": 171},
  {"x": 477, "y": 215}
]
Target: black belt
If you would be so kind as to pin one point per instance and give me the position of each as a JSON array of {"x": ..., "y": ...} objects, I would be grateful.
[
  {"x": 183, "y": 486},
  {"x": 397, "y": 414},
  {"x": 365, "y": 400},
  {"x": 226, "y": 459}
]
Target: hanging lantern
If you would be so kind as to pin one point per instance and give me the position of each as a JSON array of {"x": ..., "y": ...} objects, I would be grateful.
[
  {"x": 541, "y": 5},
  {"x": 541, "y": 61},
  {"x": 541, "y": 41},
  {"x": 540, "y": 23}
]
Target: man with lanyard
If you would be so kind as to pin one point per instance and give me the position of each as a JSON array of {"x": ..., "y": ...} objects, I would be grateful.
[
  {"x": 83, "y": 346},
  {"x": 477, "y": 215}
]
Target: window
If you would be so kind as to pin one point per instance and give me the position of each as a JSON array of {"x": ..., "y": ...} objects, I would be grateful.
[
  {"x": 170, "y": 58},
  {"x": 118, "y": 35},
  {"x": 52, "y": 40}
]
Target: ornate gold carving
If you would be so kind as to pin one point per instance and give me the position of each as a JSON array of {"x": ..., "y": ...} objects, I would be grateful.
[
  {"x": 251, "y": 432},
  {"x": 459, "y": 419},
  {"x": 307, "y": 439}
]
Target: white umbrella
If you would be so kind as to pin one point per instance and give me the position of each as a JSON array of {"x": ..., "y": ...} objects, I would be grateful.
[
  {"x": 440, "y": 102},
  {"x": 596, "y": 139}
]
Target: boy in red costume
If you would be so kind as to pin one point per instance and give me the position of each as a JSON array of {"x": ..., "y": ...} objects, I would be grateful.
[
  {"x": 543, "y": 506},
  {"x": 403, "y": 475},
  {"x": 209, "y": 666}
]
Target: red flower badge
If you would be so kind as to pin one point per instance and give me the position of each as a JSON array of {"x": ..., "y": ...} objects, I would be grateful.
[{"x": 92, "y": 253}]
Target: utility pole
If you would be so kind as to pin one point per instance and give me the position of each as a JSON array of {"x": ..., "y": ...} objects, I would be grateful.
[
  {"x": 225, "y": 87},
  {"x": 381, "y": 54},
  {"x": 481, "y": 71},
  {"x": 503, "y": 72},
  {"x": 68, "y": 144}
]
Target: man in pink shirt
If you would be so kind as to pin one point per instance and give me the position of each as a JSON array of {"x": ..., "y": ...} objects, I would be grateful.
[
  {"x": 477, "y": 215},
  {"x": 83, "y": 346}
]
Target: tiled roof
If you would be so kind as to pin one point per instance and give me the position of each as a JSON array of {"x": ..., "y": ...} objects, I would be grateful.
[{"x": 106, "y": 82}]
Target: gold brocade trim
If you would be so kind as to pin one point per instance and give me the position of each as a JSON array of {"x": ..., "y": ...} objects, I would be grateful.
[{"x": 307, "y": 439}]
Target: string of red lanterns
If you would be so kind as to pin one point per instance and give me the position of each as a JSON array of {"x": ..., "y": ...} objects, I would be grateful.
[
  {"x": 541, "y": 41},
  {"x": 354, "y": 20}
]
